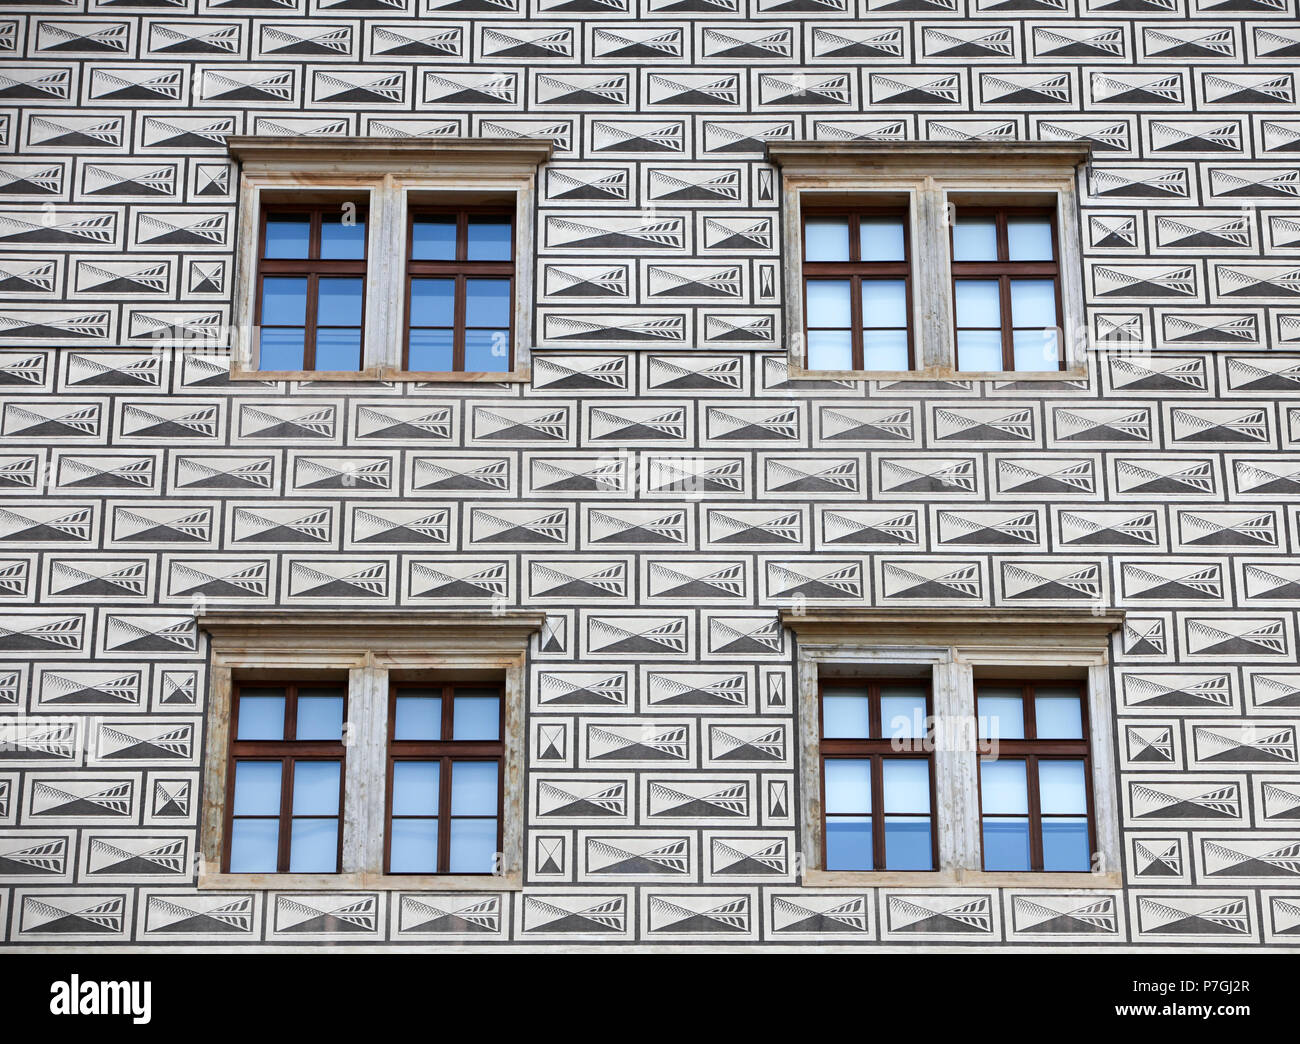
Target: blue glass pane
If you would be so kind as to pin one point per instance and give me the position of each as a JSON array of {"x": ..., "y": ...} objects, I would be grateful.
[
  {"x": 341, "y": 240},
  {"x": 830, "y": 350},
  {"x": 884, "y": 302},
  {"x": 474, "y": 788},
  {"x": 320, "y": 715},
  {"x": 978, "y": 303},
  {"x": 280, "y": 348},
  {"x": 316, "y": 788},
  {"x": 1001, "y": 714},
  {"x": 1065, "y": 845},
  {"x": 907, "y": 785},
  {"x": 254, "y": 846},
  {"x": 828, "y": 303},
  {"x": 314, "y": 846},
  {"x": 284, "y": 300},
  {"x": 489, "y": 238},
  {"x": 881, "y": 239},
  {"x": 415, "y": 788},
  {"x": 338, "y": 348},
  {"x": 418, "y": 718},
  {"x": 429, "y": 350},
  {"x": 1029, "y": 238},
  {"x": 473, "y": 846},
  {"x": 848, "y": 786},
  {"x": 487, "y": 302},
  {"x": 1003, "y": 788},
  {"x": 884, "y": 350},
  {"x": 826, "y": 239},
  {"x": 434, "y": 239},
  {"x": 261, "y": 718},
  {"x": 1062, "y": 788},
  {"x": 979, "y": 350},
  {"x": 902, "y": 712},
  {"x": 257, "y": 788},
  {"x": 433, "y": 302},
  {"x": 846, "y": 714},
  {"x": 907, "y": 844},
  {"x": 487, "y": 351},
  {"x": 1036, "y": 350},
  {"x": 1006, "y": 844},
  {"x": 848, "y": 843},
  {"x": 287, "y": 235},
  {"x": 414, "y": 846},
  {"x": 1033, "y": 303},
  {"x": 476, "y": 717},
  {"x": 975, "y": 239},
  {"x": 1058, "y": 714},
  {"x": 338, "y": 301}
]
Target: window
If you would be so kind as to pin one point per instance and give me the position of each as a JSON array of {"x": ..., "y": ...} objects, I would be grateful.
[
  {"x": 927, "y": 260},
  {"x": 1035, "y": 797},
  {"x": 876, "y": 776},
  {"x": 374, "y": 752},
  {"x": 384, "y": 259}
]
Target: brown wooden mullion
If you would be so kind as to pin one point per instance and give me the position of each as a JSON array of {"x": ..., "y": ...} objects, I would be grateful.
[
  {"x": 444, "y": 815},
  {"x": 286, "y": 813},
  {"x": 877, "y": 812}
]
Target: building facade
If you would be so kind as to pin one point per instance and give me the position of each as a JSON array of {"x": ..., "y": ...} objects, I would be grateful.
[{"x": 664, "y": 535}]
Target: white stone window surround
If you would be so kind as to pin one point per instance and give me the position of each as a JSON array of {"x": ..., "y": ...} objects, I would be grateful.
[
  {"x": 367, "y": 648},
  {"x": 932, "y": 176},
  {"x": 385, "y": 175},
  {"x": 953, "y": 647}
]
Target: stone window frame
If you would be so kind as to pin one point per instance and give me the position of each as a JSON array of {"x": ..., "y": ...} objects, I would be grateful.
[
  {"x": 390, "y": 174},
  {"x": 931, "y": 177},
  {"x": 954, "y": 645},
  {"x": 369, "y": 649}
]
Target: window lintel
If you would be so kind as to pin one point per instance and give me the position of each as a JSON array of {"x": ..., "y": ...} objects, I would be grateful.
[
  {"x": 836, "y": 158},
  {"x": 360, "y": 155}
]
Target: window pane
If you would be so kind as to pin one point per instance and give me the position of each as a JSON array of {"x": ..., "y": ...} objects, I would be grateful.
[
  {"x": 314, "y": 846},
  {"x": 320, "y": 715},
  {"x": 261, "y": 717},
  {"x": 846, "y": 714},
  {"x": 830, "y": 350},
  {"x": 848, "y": 786},
  {"x": 979, "y": 350},
  {"x": 476, "y": 717},
  {"x": 430, "y": 350},
  {"x": 473, "y": 846},
  {"x": 1062, "y": 788},
  {"x": 907, "y": 784},
  {"x": 828, "y": 303},
  {"x": 487, "y": 351},
  {"x": 489, "y": 238},
  {"x": 287, "y": 235},
  {"x": 433, "y": 302},
  {"x": 257, "y": 788},
  {"x": 280, "y": 348},
  {"x": 907, "y": 844},
  {"x": 1029, "y": 238},
  {"x": 487, "y": 302},
  {"x": 1058, "y": 714},
  {"x": 1001, "y": 714},
  {"x": 975, "y": 239},
  {"x": 978, "y": 303},
  {"x": 474, "y": 788},
  {"x": 418, "y": 718},
  {"x": 1065, "y": 845},
  {"x": 884, "y": 350},
  {"x": 884, "y": 302},
  {"x": 881, "y": 239},
  {"x": 434, "y": 239},
  {"x": 1033, "y": 302},
  {"x": 826, "y": 239},
  {"x": 848, "y": 843},
  {"x": 414, "y": 846},
  {"x": 415, "y": 788},
  {"x": 284, "y": 300},
  {"x": 338, "y": 301},
  {"x": 1006, "y": 844},
  {"x": 254, "y": 846},
  {"x": 316, "y": 788},
  {"x": 338, "y": 348},
  {"x": 340, "y": 240},
  {"x": 1036, "y": 350},
  {"x": 1003, "y": 788},
  {"x": 902, "y": 713}
]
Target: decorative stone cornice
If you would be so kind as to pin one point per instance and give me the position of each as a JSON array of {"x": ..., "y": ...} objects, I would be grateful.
[
  {"x": 341, "y": 630},
  {"x": 985, "y": 628},
  {"x": 385, "y": 155},
  {"x": 810, "y": 157}
]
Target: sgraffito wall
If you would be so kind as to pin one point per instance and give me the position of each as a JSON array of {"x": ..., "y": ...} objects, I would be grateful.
[{"x": 660, "y": 497}]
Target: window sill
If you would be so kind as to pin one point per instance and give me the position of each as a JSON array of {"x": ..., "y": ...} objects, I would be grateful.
[
  {"x": 386, "y": 882},
  {"x": 377, "y": 373},
  {"x": 797, "y": 373},
  {"x": 956, "y": 879}
]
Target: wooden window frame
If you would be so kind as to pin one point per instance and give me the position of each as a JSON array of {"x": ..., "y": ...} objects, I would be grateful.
[
  {"x": 1004, "y": 270},
  {"x": 287, "y": 752},
  {"x": 313, "y": 267},
  {"x": 460, "y": 270},
  {"x": 856, "y": 270},
  {"x": 444, "y": 751},
  {"x": 876, "y": 749},
  {"x": 1031, "y": 750}
]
